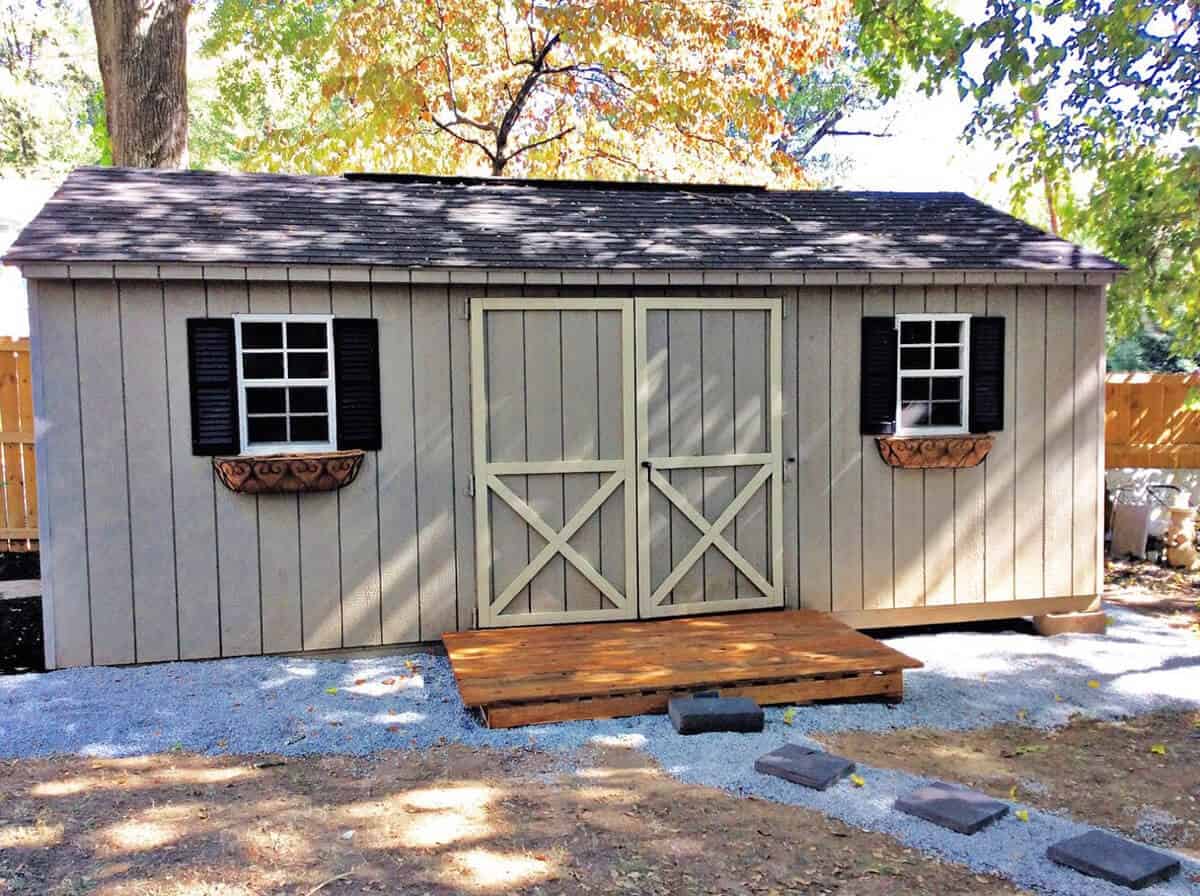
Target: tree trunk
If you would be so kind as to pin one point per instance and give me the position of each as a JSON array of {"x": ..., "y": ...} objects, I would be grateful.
[{"x": 142, "y": 46}]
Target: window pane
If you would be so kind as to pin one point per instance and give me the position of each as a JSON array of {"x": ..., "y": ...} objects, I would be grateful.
[
  {"x": 948, "y": 330},
  {"x": 914, "y": 389},
  {"x": 947, "y": 388},
  {"x": 914, "y": 414},
  {"x": 308, "y": 365},
  {"x": 268, "y": 365},
  {"x": 946, "y": 358},
  {"x": 914, "y": 331},
  {"x": 946, "y": 413},
  {"x": 306, "y": 399},
  {"x": 306, "y": 335},
  {"x": 265, "y": 401},
  {"x": 262, "y": 335},
  {"x": 266, "y": 429},
  {"x": 914, "y": 359},
  {"x": 310, "y": 429}
]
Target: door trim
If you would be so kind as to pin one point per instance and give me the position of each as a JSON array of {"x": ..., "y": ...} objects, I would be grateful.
[
  {"x": 770, "y": 475},
  {"x": 621, "y": 471}
]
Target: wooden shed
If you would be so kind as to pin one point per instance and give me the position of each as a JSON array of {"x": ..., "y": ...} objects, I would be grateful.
[{"x": 280, "y": 413}]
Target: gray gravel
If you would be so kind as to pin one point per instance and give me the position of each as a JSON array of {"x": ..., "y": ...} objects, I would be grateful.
[{"x": 298, "y": 706}]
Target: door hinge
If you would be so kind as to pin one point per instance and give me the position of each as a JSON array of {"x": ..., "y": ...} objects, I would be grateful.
[{"x": 471, "y": 485}]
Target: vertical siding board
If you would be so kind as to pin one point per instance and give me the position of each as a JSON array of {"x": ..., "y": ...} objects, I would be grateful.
[
  {"x": 1060, "y": 450},
  {"x": 717, "y": 398},
  {"x": 191, "y": 487},
  {"x": 1030, "y": 433},
  {"x": 58, "y": 448},
  {"x": 657, "y": 385},
  {"x": 396, "y": 465},
  {"x": 358, "y": 515},
  {"x": 318, "y": 524},
  {"x": 970, "y": 511},
  {"x": 148, "y": 443},
  {"x": 908, "y": 498},
  {"x": 877, "y": 511},
  {"x": 107, "y": 506},
  {"x": 1088, "y": 436},
  {"x": 237, "y": 527},
  {"x": 544, "y": 429},
  {"x": 751, "y": 532},
  {"x": 1000, "y": 466},
  {"x": 790, "y": 435},
  {"x": 435, "y": 460},
  {"x": 846, "y": 449},
  {"x": 686, "y": 438},
  {"x": 813, "y": 310},
  {"x": 939, "y": 499},
  {"x": 464, "y": 504},
  {"x": 581, "y": 441},
  {"x": 610, "y": 374},
  {"x": 278, "y": 527}
]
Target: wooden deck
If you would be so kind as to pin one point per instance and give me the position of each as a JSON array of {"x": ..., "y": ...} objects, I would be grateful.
[{"x": 558, "y": 673}]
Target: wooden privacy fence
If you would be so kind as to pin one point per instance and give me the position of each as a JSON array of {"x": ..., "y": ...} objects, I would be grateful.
[
  {"x": 1152, "y": 420},
  {"x": 18, "y": 523}
]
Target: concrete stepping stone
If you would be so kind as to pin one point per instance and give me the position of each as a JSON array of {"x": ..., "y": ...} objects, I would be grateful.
[
  {"x": 705, "y": 712},
  {"x": 801, "y": 765},
  {"x": 1115, "y": 859},
  {"x": 952, "y": 807}
]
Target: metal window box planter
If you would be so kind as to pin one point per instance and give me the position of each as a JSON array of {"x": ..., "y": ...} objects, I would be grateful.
[
  {"x": 934, "y": 452},
  {"x": 281, "y": 474}
]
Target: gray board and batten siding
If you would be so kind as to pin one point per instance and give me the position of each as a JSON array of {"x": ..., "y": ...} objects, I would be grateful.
[{"x": 147, "y": 557}]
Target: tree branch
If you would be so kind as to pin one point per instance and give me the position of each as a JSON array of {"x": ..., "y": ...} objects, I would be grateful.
[
  {"x": 465, "y": 139},
  {"x": 535, "y": 144}
]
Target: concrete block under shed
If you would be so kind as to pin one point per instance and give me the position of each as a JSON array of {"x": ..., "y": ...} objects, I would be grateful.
[
  {"x": 1115, "y": 859},
  {"x": 702, "y": 713},
  {"x": 952, "y": 807},
  {"x": 802, "y": 765}
]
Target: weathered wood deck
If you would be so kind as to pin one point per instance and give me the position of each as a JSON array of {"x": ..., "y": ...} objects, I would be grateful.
[{"x": 558, "y": 673}]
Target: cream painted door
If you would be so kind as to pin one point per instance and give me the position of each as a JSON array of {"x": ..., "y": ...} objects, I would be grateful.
[
  {"x": 552, "y": 386},
  {"x": 710, "y": 479}
]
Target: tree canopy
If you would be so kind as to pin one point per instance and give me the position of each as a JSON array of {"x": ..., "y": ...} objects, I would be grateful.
[{"x": 611, "y": 88}]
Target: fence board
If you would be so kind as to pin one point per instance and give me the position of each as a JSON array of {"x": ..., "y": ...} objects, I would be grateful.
[
  {"x": 18, "y": 505},
  {"x": 1152, "y": 420}
]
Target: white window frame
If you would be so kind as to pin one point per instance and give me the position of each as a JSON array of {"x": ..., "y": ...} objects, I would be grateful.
[
  {"x": 327, "y": 382},
  {"x": 962, "y": 372}
]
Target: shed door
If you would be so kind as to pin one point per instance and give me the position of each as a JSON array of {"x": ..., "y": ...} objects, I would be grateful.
[
  {"x": 553, "y": 429},
  {"x": 710, "y": 487}
]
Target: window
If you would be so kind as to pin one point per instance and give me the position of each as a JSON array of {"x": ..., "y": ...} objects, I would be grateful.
[
  {"x": 285, "y": 382},
  {"x": 932, "y": 398}
]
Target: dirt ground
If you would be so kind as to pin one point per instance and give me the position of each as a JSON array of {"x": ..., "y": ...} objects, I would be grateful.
[
  {"x": 1170, "y": 594},
  {"x": 449, "y": 820}
]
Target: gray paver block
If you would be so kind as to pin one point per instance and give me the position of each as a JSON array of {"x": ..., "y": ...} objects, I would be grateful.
[
  {"x": 952, "y": 807},
  {"x": 698, "y": 715},
  {"x": 801, "y": 765},
  {"x": 1115, "y": 859}
]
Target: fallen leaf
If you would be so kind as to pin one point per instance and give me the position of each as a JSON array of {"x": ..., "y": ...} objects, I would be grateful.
[
  {"x": 394, "y": 729},
  {"x": 389, "y": 681},
  {"x": 360, "y": 681},
  {"x": 1092, "y": 683},
  {"x": 1021, "y": 714},
  {"x": 1057, "y": 698},
  {"x": 1022, "y": 814},
  {"x": 1159, "y": 749},
  {"x": 857, "y": 781},
  {"x": 789, "y": 715},
  {"x": 1012, "y": 792},
  {"x": 331, "y": 691}
]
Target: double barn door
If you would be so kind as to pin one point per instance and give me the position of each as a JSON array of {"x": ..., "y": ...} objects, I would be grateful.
[{"x": 627, "y": 457}]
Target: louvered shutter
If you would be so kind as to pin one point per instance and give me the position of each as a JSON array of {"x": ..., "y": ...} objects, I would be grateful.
[
  {"x": 356, "y": 372},
  {"x": 212, "y": 367},
  {"x": 987, "y": 374},
  {"x": 878, "y": 398}
]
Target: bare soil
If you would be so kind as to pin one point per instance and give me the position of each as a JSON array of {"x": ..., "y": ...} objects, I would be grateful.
[
  {"x": 449, "y": 820},
  {"x": 1153, "y": 590}
]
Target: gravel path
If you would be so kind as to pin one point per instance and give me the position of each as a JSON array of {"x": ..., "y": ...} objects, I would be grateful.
[{"x": 303, "y": 706}]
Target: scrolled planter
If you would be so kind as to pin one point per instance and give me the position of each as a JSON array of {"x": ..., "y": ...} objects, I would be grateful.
[
  {"x": 934, "y": 452},
  {"x": 278, "y": 474}
]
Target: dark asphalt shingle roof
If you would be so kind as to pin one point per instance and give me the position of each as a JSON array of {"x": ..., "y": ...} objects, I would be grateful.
[{"x": 126, "y": 215}]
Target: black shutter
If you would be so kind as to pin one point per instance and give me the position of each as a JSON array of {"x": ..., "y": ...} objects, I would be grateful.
[
  {"x": 212, "y": 366},
  {"x": 878, "y": 403},
  {"x": 987, "y": 374},
  {"x": 356, "y": 371}
]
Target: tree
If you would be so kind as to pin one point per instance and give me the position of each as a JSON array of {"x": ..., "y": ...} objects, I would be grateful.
[
  {"x": 142, "y": 47},
  {"x": 49, "y": 91},
  {"x": 611, "y": 88},
  {"x": 1098, "y": 104}
]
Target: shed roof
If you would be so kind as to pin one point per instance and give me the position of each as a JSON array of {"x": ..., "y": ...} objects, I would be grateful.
[{"x": 200, "y": 217}]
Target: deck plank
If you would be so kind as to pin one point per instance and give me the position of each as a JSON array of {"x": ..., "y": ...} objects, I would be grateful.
[{"x": 782, "y": 653}]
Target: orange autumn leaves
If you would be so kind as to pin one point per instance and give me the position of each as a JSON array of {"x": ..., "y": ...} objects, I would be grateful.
[{"x": 608, "y": 88}]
